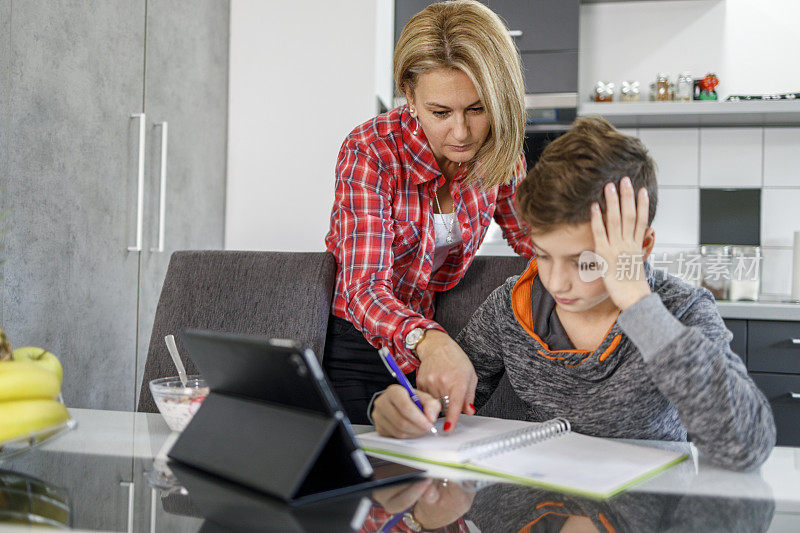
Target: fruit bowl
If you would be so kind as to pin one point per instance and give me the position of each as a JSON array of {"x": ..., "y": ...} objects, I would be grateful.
[
  {"x": 33, "y": 439},
  {"x": 176, "y": 403}
]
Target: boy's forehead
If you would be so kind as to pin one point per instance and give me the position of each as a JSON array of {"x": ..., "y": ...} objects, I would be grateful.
[{"x": 567, "y": 239}]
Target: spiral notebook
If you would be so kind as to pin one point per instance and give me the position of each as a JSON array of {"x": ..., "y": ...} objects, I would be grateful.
[{"x": 547, "y": 454}]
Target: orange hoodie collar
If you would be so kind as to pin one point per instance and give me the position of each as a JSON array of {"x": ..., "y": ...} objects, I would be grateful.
[{"x": 521, "y": 305}]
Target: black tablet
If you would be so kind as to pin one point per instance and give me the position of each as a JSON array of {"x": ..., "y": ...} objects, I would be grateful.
[{"x": 270, "y": 397}]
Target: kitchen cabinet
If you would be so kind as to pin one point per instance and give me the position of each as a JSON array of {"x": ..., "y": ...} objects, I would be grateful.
[
  {"x": 772, "y": 361},
  {"x": 88, "y": 86},
  {"x": 545, "y": 31}
]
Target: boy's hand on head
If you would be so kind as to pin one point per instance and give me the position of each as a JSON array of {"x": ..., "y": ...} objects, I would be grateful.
[{"x": 619, "y": 241}]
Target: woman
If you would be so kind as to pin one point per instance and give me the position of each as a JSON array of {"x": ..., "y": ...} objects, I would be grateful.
[{"x": 416, "y": 189}]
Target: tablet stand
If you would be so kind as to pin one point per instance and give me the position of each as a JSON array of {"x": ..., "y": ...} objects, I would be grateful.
[{"x": 292, "y": 454}]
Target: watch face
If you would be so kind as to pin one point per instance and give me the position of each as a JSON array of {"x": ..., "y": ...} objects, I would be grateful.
[{"x": 413, "y": 337}]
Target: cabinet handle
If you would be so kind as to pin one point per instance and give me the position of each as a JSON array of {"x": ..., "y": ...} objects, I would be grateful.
[
  {"x": 795, "y": 341},
  {"x": 140, "y": 188},
  {"x": 515, "y": 33},
  {"x": 795, "y": 395},
  {"x": 129, "y": 486},
  {"x": 162, "y": 202}
]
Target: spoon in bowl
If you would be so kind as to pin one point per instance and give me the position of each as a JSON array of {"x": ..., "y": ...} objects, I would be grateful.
[{"x": 176, "y": 358}]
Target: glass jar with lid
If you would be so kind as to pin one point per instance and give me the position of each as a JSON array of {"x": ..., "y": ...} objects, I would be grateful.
[
  {"x": 716, "y": 269},
  {"x": 662, "y": 88},
  {"x": 685, "y": 87},
  {"x": 745, "y": 282}
]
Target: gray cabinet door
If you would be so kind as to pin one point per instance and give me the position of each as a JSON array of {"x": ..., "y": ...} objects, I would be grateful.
[
  {"x": 541, "y": 25},
  {"x": 69, "y": 181},
  {"x": 186, "y": 86},
  {"x": 550, "y": 72}
]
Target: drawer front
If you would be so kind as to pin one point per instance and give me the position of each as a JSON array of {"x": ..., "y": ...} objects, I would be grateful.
[
  {"x": 771, "y": 346},
  {"x": 783, "y": 393},
  {"x": 739, "y": 341}
]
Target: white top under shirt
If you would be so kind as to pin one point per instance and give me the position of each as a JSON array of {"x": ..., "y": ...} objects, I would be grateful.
[{"x": 441, "y": 223}]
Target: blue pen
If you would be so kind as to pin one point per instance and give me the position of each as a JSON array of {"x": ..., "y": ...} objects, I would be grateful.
[{"x": 397, "y": 374}]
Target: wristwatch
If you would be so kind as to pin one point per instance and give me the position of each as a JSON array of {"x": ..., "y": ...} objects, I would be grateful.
[
  {"x": 414, "y": 337},
  {"x": 411, "y": 521}
]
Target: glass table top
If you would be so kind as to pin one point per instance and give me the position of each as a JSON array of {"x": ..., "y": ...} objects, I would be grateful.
[{"x": 108, "y": 475}]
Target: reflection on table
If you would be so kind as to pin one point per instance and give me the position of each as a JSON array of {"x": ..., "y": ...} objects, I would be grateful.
[{"x": 96, "y": 478}]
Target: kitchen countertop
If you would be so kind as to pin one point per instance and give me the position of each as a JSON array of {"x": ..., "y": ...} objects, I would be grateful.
[{"x": 767, "y": 309}]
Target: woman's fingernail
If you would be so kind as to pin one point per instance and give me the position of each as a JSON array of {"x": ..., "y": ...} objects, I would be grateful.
[
  {"x": 447, "y": 426},
  {"x": 472, "y": 407},
  {"x": 611, "y": 187},
  {"x": 596, "y": 206}
]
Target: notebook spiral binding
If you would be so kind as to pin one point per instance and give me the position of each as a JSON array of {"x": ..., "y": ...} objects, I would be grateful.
[{"x": 512, "y": 440}]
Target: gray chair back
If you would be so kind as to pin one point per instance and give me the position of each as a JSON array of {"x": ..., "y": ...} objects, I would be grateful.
[
  {"x": 271, "y": 294},
  {"x": 455, "y": 307}
]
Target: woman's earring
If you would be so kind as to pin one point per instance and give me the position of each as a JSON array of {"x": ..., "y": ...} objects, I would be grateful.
[{"x": 416, "y": 121}]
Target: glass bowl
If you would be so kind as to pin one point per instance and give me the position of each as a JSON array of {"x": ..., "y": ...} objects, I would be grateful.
[{"x": 177, "y": 403}]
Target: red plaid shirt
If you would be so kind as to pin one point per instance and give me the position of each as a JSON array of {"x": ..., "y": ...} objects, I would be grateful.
[
  {"x": 378, "y": 518},
  {"x": 382, "y": 231}
]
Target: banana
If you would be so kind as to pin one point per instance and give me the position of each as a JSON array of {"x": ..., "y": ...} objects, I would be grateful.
[
  {"x": 23, "y": 380},
  {"x": 21, "y": 417}
]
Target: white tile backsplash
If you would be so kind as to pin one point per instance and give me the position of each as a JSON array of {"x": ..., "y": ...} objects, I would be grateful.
[
  {"x": 782, "y": 157},
  {"x": 731, "y": 157},
  {"x": 675, "y": 151},
  {"x": 780, "y": 216},
  {"x": 776, "y": 271},
  {"x": 677, "y": 219}
]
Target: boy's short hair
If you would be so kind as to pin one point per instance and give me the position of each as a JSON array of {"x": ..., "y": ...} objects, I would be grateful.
[{"x": 573, "y": 169}]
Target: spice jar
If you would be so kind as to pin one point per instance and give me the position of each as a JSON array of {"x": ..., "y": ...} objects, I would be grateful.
[
  {"x": 745, "y": 283},
  {"x": 662, "y": 88},
  {"x": 603, "y": 91},
  {"x": 629, "y": 91},
  {"x": 716, "y": 269},
  {"x": 685, "y": 87}
]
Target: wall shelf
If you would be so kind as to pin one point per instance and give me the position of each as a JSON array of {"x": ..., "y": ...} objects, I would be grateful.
[{"x": 688, "y": 114}]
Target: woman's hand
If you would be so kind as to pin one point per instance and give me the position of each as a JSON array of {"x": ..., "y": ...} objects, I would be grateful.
[
  {"x": 395, "y": 415},
  {"x": 620, "y": 242},
  {"x": 441, "y": 504},
  {"x": 397, "y": 498},
  {"x": 445, "y": 370},
  {"x": 433, "y": 503}
]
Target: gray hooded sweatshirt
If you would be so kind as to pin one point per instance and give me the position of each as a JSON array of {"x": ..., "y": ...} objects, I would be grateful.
[{"x": 665, "y": 369}]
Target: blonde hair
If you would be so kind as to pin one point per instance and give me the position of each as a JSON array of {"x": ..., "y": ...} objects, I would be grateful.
[{"x": 468, "y": 36}]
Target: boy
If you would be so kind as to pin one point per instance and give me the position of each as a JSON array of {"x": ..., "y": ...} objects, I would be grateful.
[{"x": 621, "y": 349}]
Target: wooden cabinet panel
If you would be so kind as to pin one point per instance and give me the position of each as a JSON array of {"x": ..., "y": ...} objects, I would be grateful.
[
  {"x": 70, "y": 182},
  {"x": 186, "y": 86},
  {"x": 771, "y": 346}
]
